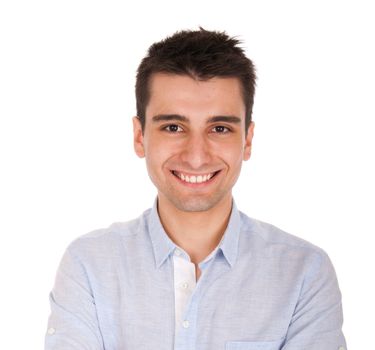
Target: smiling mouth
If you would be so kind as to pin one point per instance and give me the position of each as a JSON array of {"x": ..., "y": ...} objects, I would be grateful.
[{"x": 201, "y": 178}]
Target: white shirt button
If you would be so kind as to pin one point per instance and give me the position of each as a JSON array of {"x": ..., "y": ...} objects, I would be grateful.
[
  {"x": 341, "y": 348},
  {"x": 185, "y": 324},
  {"x": 177, "y": 252},
  {"x": 51, "y": 331},
  {"x": 185, "y": 285}
]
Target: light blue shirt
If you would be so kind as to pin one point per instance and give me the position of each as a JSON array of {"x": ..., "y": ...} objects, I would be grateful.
[{"x": 264, "y": 289}]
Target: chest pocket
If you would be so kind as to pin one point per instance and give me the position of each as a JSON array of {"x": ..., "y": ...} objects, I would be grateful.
[{"x": 253, "y": 345}]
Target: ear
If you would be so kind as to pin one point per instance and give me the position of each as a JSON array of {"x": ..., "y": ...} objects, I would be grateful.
[
  {"x": 248, "y": 141},
  {"x": 138, "y": 138}
]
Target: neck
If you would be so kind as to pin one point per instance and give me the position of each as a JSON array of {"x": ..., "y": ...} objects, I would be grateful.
[{"x": 198, "y": 233}]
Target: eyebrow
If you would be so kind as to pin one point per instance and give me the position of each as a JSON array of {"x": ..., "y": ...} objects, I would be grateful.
[
  {"x": 224, "y": 118},
  {"x": 176, "y": 117},
  {"x": 168, "y": 117}
]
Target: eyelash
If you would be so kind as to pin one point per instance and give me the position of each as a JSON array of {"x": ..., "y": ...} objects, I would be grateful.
[
  {"x": 166, "y": 128},
  {"x": 222, "y": 126}
]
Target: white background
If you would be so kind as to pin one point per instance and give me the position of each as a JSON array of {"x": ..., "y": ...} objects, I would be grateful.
[{"x": 67, "y": 76}]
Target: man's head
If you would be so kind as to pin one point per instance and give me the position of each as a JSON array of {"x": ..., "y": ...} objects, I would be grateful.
[
  {"x": 193, "y": 124},
  {"x": 202, "y": 55}
]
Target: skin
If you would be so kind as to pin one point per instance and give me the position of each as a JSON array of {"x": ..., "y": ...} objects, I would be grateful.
[{"x": 181, "y": 136}]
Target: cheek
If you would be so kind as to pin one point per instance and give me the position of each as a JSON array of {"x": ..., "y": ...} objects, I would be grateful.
[
  {"x": 232, "y": 154},
  {"x": 157, "y": 153},
  {"x": 161, "y": 148}
]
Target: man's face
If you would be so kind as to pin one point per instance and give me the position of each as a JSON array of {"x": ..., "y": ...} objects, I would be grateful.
[{"x": 194, "y": 139}]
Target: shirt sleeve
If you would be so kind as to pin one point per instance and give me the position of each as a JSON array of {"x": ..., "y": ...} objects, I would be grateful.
[
  {"x": 317, "y": 320},
  {"x": 73, "y": 322}
]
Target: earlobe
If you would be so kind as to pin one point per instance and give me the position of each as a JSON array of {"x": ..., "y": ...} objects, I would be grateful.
[
  {"x": 138, "y": 138},
  {"x": 248, "y": 141}
]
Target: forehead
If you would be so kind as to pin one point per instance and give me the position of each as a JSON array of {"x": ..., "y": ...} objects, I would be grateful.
[{"x": 181, "y": 94}]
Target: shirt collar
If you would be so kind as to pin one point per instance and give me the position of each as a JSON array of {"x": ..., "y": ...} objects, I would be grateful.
[
  {"x": 229, "y": 244},
  {"x": 163, "y": 246}
]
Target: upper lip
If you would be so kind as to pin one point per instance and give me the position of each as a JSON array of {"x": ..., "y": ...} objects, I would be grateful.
[{"x": 191, "y": 174}]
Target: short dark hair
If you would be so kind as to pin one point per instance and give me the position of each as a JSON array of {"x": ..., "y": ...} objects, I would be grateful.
[{"x": 200, "y": 54}]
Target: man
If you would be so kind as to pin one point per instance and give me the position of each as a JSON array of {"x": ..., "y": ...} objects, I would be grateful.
[{"x": 194, "y": 272}]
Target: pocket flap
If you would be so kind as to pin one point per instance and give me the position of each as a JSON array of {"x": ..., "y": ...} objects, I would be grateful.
[{"x": 253, "y": 345}]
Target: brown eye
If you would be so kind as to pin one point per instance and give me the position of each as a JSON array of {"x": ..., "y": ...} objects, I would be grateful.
[
  {"x": 173, "y": 128},
  {"x": 221, "y": 129}
]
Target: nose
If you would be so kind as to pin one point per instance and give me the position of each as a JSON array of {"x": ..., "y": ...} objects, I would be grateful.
[{"x": 196, "y": 153}]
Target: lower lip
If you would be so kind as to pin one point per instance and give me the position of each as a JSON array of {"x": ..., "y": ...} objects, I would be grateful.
[{"x": 197, "y": 184}]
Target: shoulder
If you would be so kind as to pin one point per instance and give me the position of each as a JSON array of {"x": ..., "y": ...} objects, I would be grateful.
[
  {"x": 104, "y": 241},
  {"x": 273, "y": 241}
]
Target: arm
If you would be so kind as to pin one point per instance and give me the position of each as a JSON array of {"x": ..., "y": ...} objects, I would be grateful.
[
  {"x": 317, "y": 320},
  {"x": 73, "y": 322}
]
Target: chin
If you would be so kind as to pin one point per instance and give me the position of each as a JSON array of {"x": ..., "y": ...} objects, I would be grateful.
[{"x": 195, "y": 204}]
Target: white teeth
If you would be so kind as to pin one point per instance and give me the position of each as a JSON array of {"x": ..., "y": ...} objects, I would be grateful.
[{"x": 193, "y": 178}]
